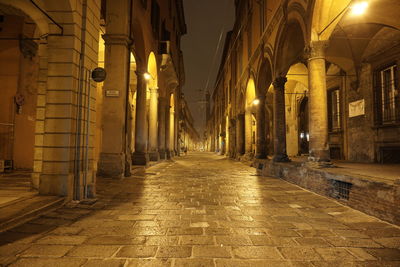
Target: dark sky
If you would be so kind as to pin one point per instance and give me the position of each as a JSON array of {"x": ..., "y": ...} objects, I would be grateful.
[{"x": 204, "y": 19}]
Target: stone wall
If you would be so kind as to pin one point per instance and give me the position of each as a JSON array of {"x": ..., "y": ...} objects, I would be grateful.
[{"x": 375, "y": 198}]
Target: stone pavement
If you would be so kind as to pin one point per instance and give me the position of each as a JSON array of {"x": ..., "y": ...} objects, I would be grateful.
[{"x": 202, "y": 210}]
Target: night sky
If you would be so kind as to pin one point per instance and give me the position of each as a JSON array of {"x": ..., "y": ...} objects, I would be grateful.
[{"x": 204, "y": 19}]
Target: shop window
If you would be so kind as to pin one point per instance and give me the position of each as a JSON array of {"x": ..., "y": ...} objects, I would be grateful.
[
  {"x": 334, "y": 110},
  {"x": 387, "y": 97}
]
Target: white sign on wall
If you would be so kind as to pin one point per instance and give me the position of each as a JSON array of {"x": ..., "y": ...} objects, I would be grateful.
[{"x": 356, "y": 108}]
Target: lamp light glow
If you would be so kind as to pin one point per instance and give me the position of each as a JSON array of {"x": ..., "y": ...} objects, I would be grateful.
[
  {"x": 359, "y": 8},
  {"x": 147, "y": 76},
  {"x": 256, "y": 101}
]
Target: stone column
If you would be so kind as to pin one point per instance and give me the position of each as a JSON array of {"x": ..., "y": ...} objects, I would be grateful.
[
  {"x": 248, "y": 131},
  {"x": 171, "y": 131},
  {"x": 176, "y": 136},
  {"x": 280, "y": 154},
  {"x": 140, "y": 156},
  {"x": 112, "y": 157},
  {"x": 168, "y": 132},
  {"x": 153, "y": 125},
  {"x": 239, "y": 134},
  {"x": 318, "y": 122},
  {"x": 162, "y": 111},
  {"x": 261, "y": 149}
]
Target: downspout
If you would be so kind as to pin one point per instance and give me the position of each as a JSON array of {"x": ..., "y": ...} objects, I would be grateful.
[
  {"x": 81, "y": 84},
  {"x": 127, "y": 104}
]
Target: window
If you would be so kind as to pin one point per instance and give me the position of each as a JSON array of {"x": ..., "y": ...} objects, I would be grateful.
[
  {"x": 249, "y": 38},
  {"x": 155, "y": 18},
  {"x": 334, "y": 109},
  {"x": 262, "y": 16},
  {"x": 387, "y": 98}
]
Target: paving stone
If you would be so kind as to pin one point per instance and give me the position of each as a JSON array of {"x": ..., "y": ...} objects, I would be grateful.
[
  {"x": 93, "y": 251},
  {"x": 211, "y": 252},
  {"x": 174, "y": 252},
  {"x": 162, "y": 240},
  {"x": 105, "y": 263},
  {"x": 389, "y": 242},
  {"x": 194, "y": 263},
  {"x": 46, "y": 250},
  {"x": 312, "y": 242},
  {"x": 299, "y": 254},
  {"x": 62, "y": 240},
  {"x": 116, "y": 240},
  {"x": 251, "y": 263},
  {"x": 137, "y": 251},
  {"x": 12, "y": 249},
  {"x": 256, "y": 252},
  {"x": 149, "y": 263},
  {"x": 45, "y": 262},
  {"x": 233, "y": 240},
  {"x": 332, "y": 254},
  {"x": 197, "y": 240},
  {"x": 390, "y": 254}
]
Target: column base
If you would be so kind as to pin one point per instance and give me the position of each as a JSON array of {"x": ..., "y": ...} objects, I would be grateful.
[
  {"x": 163, "y": 154},
  {"x": 140, "y": 158},
  {"x": 281, "y": 158},
  {"x": 111, "y": 165},
  {"x": 154, "y": 156},
  {"x": 319, "y": 156},
  {"x": 261, "y": 156}
]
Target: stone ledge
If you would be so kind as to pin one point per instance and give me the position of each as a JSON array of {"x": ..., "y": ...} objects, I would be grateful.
[{"x": 375, "y": 198}]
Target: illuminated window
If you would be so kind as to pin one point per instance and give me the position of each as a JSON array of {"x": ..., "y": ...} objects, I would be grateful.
[
  {"x": 387, "y": 98},
  {"x": 334, "y": 109}
]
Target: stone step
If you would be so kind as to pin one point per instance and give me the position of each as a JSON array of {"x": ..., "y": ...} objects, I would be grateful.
[{"x": 19, "y": 212}]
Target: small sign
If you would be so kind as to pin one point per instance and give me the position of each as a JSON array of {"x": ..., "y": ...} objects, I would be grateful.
[
  {"x": 112, "y": 93},
  {"x": 99, "y": 75},
  {"x": 356, "y": 108}
]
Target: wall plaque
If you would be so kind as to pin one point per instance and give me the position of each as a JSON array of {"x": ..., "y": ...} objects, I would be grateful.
[
  {"x": 112, "y": 93},
  {"x": 356, "y": 108}
]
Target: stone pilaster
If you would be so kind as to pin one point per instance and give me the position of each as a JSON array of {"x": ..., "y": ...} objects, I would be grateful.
[
  {"x": 261, "y": 150},
  {"x": 248, "y": 131},
  {"x": 140, "y": 156},
  {"x": 112, "y": 161},
  {"x": 240, "y": 134},
  {"x": 162, "y": 111},
  {"x": 318, "y": 123},
  {"x": 280, "y": 154},
  {"x": 153, "y": 125}
]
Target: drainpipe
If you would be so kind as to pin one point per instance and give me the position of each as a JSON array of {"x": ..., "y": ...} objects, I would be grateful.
[
  {"x": 127, "y": 106},
  {"x": 81, "y": 85}
]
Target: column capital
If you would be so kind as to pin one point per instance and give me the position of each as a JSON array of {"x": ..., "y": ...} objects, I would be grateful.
[
  {"x": 117, "y": 39},
  {"x": 316, "y": 49},
  {"x": 279, "y": 82},
  {"x": 153, "y": 90}
]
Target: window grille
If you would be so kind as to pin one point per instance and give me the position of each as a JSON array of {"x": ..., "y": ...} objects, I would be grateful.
[
  {"x": 387, "y": 97},
  {"x": 341, "y": 190}
]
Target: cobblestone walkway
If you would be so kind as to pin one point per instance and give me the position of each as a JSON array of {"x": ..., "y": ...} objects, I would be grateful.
[{"x": 202, "y": 210}]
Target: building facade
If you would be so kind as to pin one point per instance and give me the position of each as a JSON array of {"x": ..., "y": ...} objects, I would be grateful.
[
  {"x": 316, "y": 78},
  {"x": 62, "y": 126}
]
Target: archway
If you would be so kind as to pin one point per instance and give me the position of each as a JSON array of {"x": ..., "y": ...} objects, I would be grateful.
[
  {"x": 19, "y": 70},
  {"x": 152, "y": 92},
  {"x": 363, "y": 47},
  {"x": 250, "y": 119}
]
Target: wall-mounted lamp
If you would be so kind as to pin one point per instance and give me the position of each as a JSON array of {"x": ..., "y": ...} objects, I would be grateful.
[
  {"x": 147, "y": 76},
  {"x": 359, "y": 8},
  {"x": 256, "y": 102}
]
